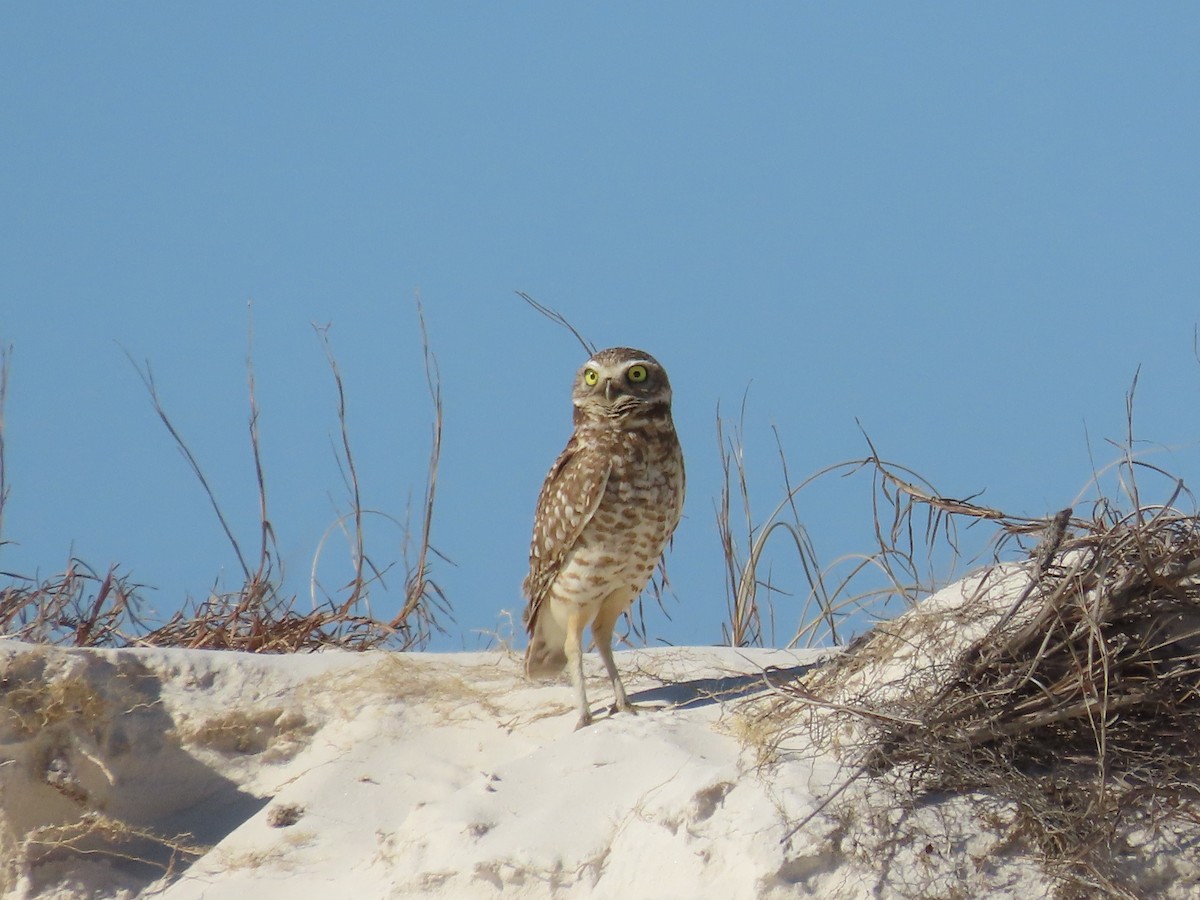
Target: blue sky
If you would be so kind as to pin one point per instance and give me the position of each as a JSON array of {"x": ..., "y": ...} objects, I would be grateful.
[{"x": 964, "y": 226}]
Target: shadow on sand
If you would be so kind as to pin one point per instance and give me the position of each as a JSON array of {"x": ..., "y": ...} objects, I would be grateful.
[{"x": 706, "y": 691}]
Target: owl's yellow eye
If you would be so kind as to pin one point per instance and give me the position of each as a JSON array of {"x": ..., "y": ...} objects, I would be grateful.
[
  {"x": 590, "y": 377},
  {"x": 637, "y": 374}
]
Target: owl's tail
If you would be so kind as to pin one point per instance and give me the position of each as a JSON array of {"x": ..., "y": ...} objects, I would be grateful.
[{"x": 544, "y": 657}]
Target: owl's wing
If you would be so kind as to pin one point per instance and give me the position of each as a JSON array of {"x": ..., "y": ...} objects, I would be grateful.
[{"x": 569, "y": 498}]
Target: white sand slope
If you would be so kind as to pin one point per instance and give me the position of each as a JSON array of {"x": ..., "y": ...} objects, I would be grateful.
[
  {"x": 426, "y": 775},
  {"x": 405, "y": 774}
]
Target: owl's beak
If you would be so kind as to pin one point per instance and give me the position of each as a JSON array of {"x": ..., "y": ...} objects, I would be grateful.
[{"x": 609, "y": 393}]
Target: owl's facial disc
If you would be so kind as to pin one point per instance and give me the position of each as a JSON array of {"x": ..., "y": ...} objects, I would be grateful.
[
  {"x": 618, "y": 382},
  {"x": 613, "y": 388}
]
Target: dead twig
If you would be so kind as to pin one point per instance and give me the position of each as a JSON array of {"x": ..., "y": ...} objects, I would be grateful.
[
  {"x": 559, "y": 319},
  {"x": 423, "y": 597}
]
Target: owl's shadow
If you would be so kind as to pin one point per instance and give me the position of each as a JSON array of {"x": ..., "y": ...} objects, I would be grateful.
[{"x": 707, "y": 691}]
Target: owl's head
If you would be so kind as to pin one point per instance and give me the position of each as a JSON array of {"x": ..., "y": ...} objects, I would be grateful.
[{"x": 620, "y": 383}]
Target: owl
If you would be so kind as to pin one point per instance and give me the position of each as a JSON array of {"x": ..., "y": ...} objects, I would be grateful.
[{"x": 606, "y": 510}]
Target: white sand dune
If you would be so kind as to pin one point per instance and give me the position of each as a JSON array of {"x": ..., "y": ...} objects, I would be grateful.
[{"x": 435, "y": 775}]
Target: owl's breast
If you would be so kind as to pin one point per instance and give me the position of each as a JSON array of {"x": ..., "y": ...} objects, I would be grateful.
[
  {"x": 615, "y": 553},
  {"x": 640, "y": 506}
]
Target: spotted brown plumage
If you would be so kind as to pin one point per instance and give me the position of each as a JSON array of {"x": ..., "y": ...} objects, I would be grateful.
[{"x": 606, "y": 511}]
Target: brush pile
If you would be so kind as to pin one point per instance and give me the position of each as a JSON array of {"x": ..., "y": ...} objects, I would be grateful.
[
  {"x": 1062, "y": 695},
  {"x": 1097, "y": 662}
]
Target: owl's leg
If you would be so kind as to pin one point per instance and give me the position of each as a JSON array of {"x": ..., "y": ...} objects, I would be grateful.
[
  {"x": 573, "y": 649},
  {"x": 602, "y": 631}
]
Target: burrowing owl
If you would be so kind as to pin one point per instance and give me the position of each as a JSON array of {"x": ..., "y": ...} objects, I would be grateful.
[{"x": 605, "y": 513}]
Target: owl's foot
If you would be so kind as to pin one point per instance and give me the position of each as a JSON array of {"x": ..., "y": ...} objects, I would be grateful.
[
  {"x": 622, "y": 707},
  {"x": 585, "y": 719}
]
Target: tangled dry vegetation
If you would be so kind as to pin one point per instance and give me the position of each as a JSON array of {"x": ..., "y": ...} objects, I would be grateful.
[
  {"x": 1059, "y": 695},
  {"x": 84, "y": 608}
]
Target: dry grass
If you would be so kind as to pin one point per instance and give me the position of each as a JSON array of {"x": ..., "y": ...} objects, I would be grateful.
[
  {"x": 1072, "y": 708},
  {"x": 31, "y": 701},
  {"x": 78, "y": 607},
  {"x": 423, "y": 598},
  {"x": 276, "y": 731},
  {"x": 916, "y": 549},
  {"x": 94, "y": 833},
  {"x": 81, "y": 607},
  {"x": 1085, "y": 709}
]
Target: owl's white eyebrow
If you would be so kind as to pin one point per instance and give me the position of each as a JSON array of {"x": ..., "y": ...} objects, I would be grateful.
[{"x": 619, "y": 367}]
